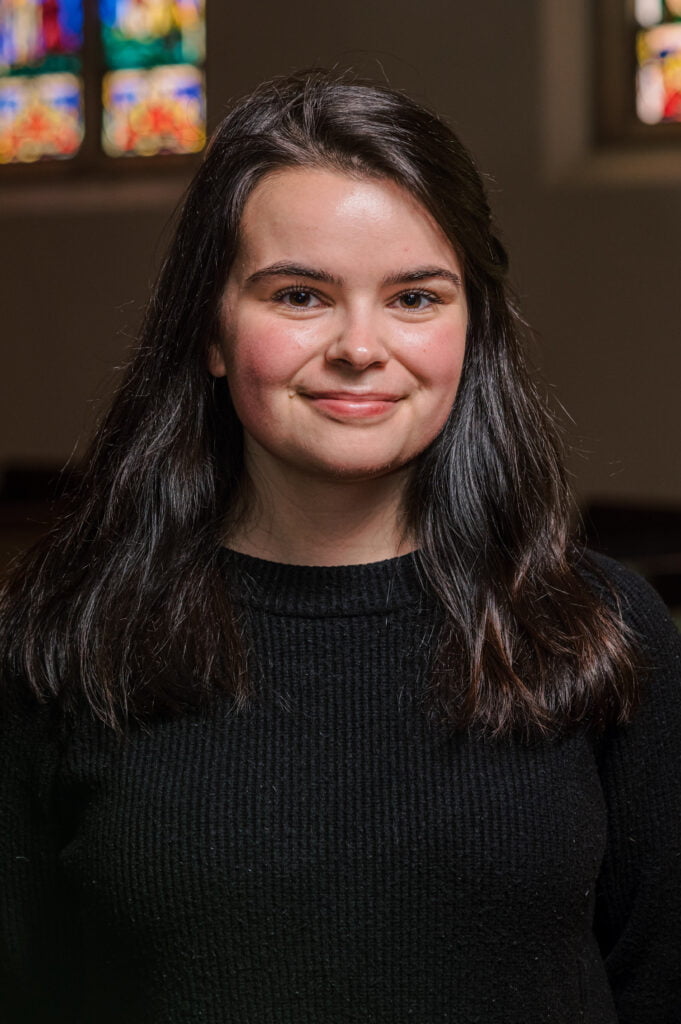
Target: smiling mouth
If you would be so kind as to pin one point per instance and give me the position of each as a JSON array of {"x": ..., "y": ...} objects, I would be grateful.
[
  {"x": 351, "y": 404},
  {"x": 354, "y": 396}
]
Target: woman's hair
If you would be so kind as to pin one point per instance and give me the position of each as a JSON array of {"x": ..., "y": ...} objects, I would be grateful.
[{"x": 125, "y": 603}]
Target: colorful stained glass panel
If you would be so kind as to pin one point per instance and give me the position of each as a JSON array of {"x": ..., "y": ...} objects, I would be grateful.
[
  {"x": 658, "y": 90},
  {"x": 153, "y": 91},
  {"x": 152, "y": 87},
  {"x": 151, "y": 111},
  {"x": 144, "y": 33},
  {"x": 41, "y": 90},
  {"x": 41, "y": 117},
  {"x": 40, "y": 36}
]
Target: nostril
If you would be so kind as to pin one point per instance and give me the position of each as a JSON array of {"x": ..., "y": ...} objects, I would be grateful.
[{"x": 359, "y": 354}]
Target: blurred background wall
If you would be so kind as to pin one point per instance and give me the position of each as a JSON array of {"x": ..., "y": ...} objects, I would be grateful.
[{"x": 594, "y": 239}]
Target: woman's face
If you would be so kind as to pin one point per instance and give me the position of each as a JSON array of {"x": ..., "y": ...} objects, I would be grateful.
[{"x": 343, "y": 326}]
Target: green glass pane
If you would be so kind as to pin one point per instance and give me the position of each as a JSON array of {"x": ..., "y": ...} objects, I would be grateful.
[{"x": 145, "y": 33}]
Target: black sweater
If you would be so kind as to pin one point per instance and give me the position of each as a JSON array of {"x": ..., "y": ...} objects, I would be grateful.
[{"x": 329, "y": 856}]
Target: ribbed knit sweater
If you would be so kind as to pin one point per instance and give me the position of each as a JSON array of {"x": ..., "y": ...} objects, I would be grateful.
[{"x": 330, "y": 856}]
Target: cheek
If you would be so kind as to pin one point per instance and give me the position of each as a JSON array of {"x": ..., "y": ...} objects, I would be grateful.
[
  {"x": 258, "y": 360},
  {"x": 261, "y": 363},
  {"x": 443, "y": 366},
  {"x": 438, "y": 364}
]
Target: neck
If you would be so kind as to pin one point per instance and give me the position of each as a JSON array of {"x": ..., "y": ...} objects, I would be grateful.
[{"x": 301, "y": 520}]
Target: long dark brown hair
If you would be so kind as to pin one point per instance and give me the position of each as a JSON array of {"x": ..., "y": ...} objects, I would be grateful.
[{"x": 124, "y": 604}]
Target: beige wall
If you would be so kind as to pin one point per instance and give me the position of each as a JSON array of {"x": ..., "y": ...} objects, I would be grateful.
[{"x": 595, "y": 253}]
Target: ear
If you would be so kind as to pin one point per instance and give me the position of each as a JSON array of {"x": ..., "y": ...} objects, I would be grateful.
[{"x": 216, "y": 360}]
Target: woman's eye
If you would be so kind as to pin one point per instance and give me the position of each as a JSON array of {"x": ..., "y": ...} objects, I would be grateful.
[
  {"x": 301, "y": 298},
  {"x": 417, "y": 300}
]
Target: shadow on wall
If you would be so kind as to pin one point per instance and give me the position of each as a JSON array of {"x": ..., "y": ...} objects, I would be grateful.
[{"x": 646, "y": 538}]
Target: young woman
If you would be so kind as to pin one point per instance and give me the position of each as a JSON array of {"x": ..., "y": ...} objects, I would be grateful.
[{"x": 313, "y": 707}]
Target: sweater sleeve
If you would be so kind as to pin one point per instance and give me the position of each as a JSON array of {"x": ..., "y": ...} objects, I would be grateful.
[
  {"x": 32, "y": 911},
  {"x": 638, "y": 900}
]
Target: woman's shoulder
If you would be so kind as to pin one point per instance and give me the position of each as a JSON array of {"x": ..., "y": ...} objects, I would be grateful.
[
  {"x": 634, "y": 598},
  {"x": 655, "y": 726},
  {"x": 20, "y": 709}
]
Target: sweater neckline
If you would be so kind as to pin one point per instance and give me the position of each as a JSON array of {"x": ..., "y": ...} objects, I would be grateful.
[{"x": 320, "y": 591}]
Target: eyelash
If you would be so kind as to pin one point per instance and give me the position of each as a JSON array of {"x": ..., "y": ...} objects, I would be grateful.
[
  {"x": 424, "y": 293},
  {"x": 293, "y": 290}
]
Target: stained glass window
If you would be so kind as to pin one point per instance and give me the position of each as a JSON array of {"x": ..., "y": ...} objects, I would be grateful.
[
  {"x": 658, "y": 46},
  {"x": 637, "y": 75},
  {"x": 146, "y": 74},
  {"x": 153, "y": 88},
  {"x": 41, "y": 85}
]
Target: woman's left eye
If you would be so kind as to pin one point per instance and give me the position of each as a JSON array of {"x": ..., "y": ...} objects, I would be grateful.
[
  {"x": 299, "y": 298},
  {"x": 417, "y": 300}
]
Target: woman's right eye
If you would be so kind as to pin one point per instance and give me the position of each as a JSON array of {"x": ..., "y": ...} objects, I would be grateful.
[{"x": 299, "y": 298}]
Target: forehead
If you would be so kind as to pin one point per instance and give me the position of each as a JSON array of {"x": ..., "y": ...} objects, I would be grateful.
[{"x": 314, "y": 211}]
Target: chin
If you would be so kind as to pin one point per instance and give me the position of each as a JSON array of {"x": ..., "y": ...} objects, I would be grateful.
[{"x": 355, "y": 470}]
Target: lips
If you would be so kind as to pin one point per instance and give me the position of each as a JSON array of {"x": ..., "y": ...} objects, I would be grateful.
[
  {"x": 354, "y": 396},
  {"x": 352, "y": 404}
]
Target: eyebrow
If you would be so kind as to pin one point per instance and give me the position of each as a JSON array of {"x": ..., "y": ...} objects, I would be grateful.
[
  {"x": 422, "y": 274},
  {"x": 284, "y": 269}
]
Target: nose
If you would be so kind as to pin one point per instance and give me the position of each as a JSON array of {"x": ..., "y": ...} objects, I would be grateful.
[{"x": 357, "y": 344}]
